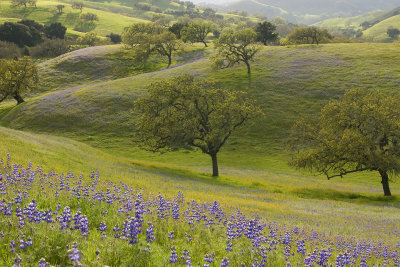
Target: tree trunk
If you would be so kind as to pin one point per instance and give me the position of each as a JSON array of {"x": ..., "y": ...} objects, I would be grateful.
[
  {"x": 204, "y": 42},
  {"x": 385, "y": 183},
  {"x": 18, "y": 98},
  {"x": 215, "y": 164},
  {"x": 248, "y": 67},
  {"x": 169, "y": 61}
]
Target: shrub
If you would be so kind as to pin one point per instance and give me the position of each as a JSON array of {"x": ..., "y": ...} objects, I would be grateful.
[
  {"x": 9, "y": 50},
  {"x": 50, "y": 48},
  {"x": 89, "y": 38},
  {"x": 115, "y": 38}
]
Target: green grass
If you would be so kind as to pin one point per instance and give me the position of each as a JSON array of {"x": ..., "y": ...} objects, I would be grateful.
[
  {"x": 46, "y": 13},
  {"x": 351, "y": 22},
  {"x": 289, "y": 83},
  {"x": 378, "y": 32}
]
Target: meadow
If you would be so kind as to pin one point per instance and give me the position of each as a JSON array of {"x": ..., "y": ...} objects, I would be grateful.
[{"x": 76, "y": 189}]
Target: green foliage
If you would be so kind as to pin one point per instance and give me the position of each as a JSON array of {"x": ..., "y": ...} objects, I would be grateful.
[
  {"x": 359, "y": 132},
  {"x": 176, "y": 28},
  {"x": 50, "y": 48},
  {"x": 55, "y": 30},
  {"x": 115, "y": 38},
  {"x": 235, "y": 47},
  {"x": 9, "y": 50},
  {"x": 77, "y": 5},
  {"x": 309, "y": 35},
  {"x": 197, "y": 31},
  {"x": 266, "y": 32},
  {"x": 187, "y": 112},
  {"x": 20, "y": 34},
  {"x": 89, "y": 17},
  {"x": 17, "y": 77},
  {"x": 18, "y": 3},
  {"x": 146, "y": 38},
  {"x": 393, "y": 33},
  {"x": 89, "y": 38}
]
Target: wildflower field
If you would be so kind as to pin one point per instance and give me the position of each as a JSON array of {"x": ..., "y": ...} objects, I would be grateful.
[{"x": 72, "y": 219}]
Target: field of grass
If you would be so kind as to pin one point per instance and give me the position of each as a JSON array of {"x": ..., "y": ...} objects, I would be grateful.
[
  {"x": 289, "y": 83},
  {"x": 46, "y": 13},
  {"x": 81, "y": 120},
  {"x": 351, "y": 22}
]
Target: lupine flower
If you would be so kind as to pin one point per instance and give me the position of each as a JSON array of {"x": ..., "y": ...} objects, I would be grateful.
[
  {"x": 225, "y": 262},
  {"x": 150, "y": 233},
  {"x": 174, "y": 257}
]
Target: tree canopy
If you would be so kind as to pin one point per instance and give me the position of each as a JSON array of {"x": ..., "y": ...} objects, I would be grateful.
[
  {"x": 359, "y": 132},
  {"x": 17, "y": 77},
  {"x": 266, "y": 32},
  {"x": 55, "y": 30},
  {"x": 188, "y": 112},
  {"x": 197, "y": 31},
  {"x": 235, "y": 47},
  {"x": 147, "y": 38},
  {"x": 309, "y": 35}
]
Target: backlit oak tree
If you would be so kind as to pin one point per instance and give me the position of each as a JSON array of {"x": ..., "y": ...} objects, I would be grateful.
[
  {"x": 359, "y": 132},
  {"x": 188, "y": 112},
  {"x": 17, "y": 77}
]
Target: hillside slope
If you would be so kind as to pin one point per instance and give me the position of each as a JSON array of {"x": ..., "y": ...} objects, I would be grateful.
[{"x": 289, "y": 83}]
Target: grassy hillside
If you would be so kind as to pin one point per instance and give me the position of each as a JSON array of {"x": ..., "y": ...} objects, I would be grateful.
[
  {"x": 378, "y": 32},
  {"x": 350, "y": 22},
  {"x": 45, "y": 12},
  {"x": 289, "y": 83}
]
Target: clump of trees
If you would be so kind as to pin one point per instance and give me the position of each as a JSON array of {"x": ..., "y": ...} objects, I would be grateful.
[
  {"x": 30, "y": 32},
  {"x": 146, "y": 39},
  {"x": 359, "y": 132},
  {"x": 25, "y": 3},
  {"x": 17, "y": 77},
  {"x": 309, "y": 35},
  {"x": 188, "y": 112},
  {"x": 234, "y": 48},
  {"x": 197, "y": 31},
  {"x": 393, "y": 33}
]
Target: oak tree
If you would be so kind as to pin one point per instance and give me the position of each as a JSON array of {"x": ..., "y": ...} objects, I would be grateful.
[
  {"x": 189, "y": 112},
  {"x": 197, "y": 31},
  {"x": 17, "y": 77},
  {"x": 359, "y": 132},
  {"x": 235, "y": 47}
]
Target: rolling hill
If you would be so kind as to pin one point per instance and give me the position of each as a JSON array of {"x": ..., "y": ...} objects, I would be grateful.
[{"x": 311, "y": 11}]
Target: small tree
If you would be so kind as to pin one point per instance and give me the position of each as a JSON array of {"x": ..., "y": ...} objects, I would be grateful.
[
  {"x": 19, "y": 34},
  {"x": 176, "y": 29},
  {"x": 77, "y": 5},
  {"x": 235, "y": 47},
  {"x": 60, "y": 8},
  {"x": 184, "y": 112},
  {"x": 146, "y": 39},
  {"x": 165, "y": 44},
  {"x": 197, "y": 31},
  {"x": 18, "y": 3},
  {"x": 115, "y": 38},
  {"x": 266, "y": 32},
  {"x": 309, "y": 35},
  {"x": 359, "y": 132},
  {"x": 89, "y": 17},
  {"x": 17, "y": 77},
  {"x": 55, "y": 30},
  {"x": 393, "y": 33},
  {"x": 89, "y": 38}
]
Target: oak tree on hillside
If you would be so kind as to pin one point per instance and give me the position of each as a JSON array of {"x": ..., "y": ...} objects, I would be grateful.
[
  {"x": 17, "y": 77},
  {"x": 309, "y": 35},
  {"x": 188, "y": 112},
  {"x": 235, "y": 47},
  {"x": 55, "y": 30},
  {"x": 18, "y": 3},
  {"x": 359, "y": 132},
  {"x": 197, "y": 31},
  {"x": 147, "y": 38},
  {"x": 266, "y": 32},
  {"x": 77, "y": 5}
]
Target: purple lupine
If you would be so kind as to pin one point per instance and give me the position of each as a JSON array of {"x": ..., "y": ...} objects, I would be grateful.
[
  {"x": 171, "y": 235},
  {"x": 43, "y": 263},
  {"x": 150, "y": 233},
  {"x": 173, "y": 258},
  {"x": 225, "y": 262},
  {"x": 102, "y": 227}
]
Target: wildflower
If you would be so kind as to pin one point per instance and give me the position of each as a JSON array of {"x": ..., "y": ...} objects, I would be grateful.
[
  {"x": 174, "y": 257},
  {"x": 225, "y": 262}
]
